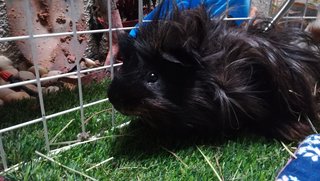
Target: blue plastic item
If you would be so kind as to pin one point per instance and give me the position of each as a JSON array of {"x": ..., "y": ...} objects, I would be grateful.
[
  {"x": 306, "y": 165},
  {"x": 236, "y": 9}
]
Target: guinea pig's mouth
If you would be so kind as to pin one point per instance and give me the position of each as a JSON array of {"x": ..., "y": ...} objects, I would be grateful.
[
  {"x": 130, "y": 111},
  {"x": 134, "y": 108}
]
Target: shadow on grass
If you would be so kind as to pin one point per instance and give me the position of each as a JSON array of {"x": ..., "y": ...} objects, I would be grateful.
[{"x": 139, "y": 140}]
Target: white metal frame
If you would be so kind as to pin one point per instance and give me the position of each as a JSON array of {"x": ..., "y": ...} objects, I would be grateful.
[{"x": 31, "y": 36}]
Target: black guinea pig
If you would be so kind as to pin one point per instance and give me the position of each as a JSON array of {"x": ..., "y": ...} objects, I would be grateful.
[{"x": 190, "y": 73}]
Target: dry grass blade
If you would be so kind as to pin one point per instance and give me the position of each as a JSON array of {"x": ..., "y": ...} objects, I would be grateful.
[
  {"x": 65, "y": 143},
  {"x": 175, "y": 155},
  {"x": 65, "y": 127},
  {"x": 315, "y": 89},
  {"x": 312, "y": 126},
  {"x": 218, "y": 165},
  {"x": 94, "y": 114},
  {"x": 235, "y": 174},
  {"x": 288, "y": 150},
  {"x": 143, "y": 168},
  {"x": 12, "y": 168},
  {"x": 210, "y": 164},
  {"x": 60, "y": 164},
  {"x": 97, "y": 165},
  {"x": 65, "y": 148}
]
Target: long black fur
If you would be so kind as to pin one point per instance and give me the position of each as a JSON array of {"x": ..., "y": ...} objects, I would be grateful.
[{"x": 193, "y": 74}]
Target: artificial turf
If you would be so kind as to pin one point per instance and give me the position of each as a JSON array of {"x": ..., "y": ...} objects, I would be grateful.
[{"x": 136, "y": 153}]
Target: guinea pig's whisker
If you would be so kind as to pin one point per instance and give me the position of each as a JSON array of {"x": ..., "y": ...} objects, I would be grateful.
[{"x": 295, "y": 93}]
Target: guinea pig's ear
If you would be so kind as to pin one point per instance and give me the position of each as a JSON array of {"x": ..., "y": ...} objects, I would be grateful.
[
  {"x": 183, "y": 58},
  {"x": 178, "y": 48},
  {"x": 125, "y": 42}
]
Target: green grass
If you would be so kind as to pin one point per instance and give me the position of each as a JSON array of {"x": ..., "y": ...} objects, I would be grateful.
[{"x": 137, "y": 153}]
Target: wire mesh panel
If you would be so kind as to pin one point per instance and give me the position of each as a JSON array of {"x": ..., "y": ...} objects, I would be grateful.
[
  {"x": 62, "y": 59},
  {"x": 60, "y": 29}
]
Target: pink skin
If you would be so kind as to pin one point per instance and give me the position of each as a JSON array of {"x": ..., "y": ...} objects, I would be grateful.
[{"x": 116, "y": 23}]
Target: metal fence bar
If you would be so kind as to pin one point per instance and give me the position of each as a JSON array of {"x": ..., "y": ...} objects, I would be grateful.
[
  {"x": 109, "y": 5},
  {"x": 304, "y": 13},
  {"x": 111, "y": 54},
  {"x": 47, "y": 35},
  {"x": 283, "y": 10},
  {"x": 35, "y": 63},
  {"x": 74, "y": 39},
  {"x": 227, "y": 8},
  {"x": 109, "y": 9},
  {"x": 14, "y": 38},
  {"x": 3, "y": 154},
  {"x": 51, "y": 116},
  {"x": 56, "y": 76},
  {"x": 96, "y": 102},
  {"x": 271, "y": 7},
  {"x": 140, "y": 11}
]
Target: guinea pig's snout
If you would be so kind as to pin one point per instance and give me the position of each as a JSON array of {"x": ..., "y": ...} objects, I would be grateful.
[
  {"x": 117, "y": 101},
  {"x": 114, "y": 96},
  {"x": 120, "y": 96}
]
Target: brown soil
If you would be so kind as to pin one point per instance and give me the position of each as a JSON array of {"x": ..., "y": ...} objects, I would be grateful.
[
  {"x": 44, "y": 15},
  {"x": 65, "y": 39},
  {"x": 61, "y": 19}
]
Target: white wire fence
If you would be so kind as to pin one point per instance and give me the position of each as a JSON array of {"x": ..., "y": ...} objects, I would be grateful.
[
  {"x": 44, "y": 118},
  {"x": 32, "y": 36}
]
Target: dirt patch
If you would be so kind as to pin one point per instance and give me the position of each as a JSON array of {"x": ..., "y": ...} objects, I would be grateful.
[
  {"x": 82, "y": 38},
  {"x": 65, "y": 39},
  {"x": 61, "y": 19},
  {"x": 71, "y": 59},
  {"x": 44, "y": 15}
]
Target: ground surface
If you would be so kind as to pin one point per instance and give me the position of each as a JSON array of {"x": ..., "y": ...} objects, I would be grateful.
[{"x": 136, "y": 153}]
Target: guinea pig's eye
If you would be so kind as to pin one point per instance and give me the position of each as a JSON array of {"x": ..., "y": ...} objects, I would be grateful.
[{"x": 152, "y": 77}]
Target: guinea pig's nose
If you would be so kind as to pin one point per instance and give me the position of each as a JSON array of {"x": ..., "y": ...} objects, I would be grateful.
[
  {"x": 116, "y": 100},
  {"x": 114, "y": 95}
]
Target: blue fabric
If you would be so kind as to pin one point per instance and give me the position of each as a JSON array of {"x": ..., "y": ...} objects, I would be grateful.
[
  {"x": 236, "y": 9},
  {"x": 306, "y": 167}
]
